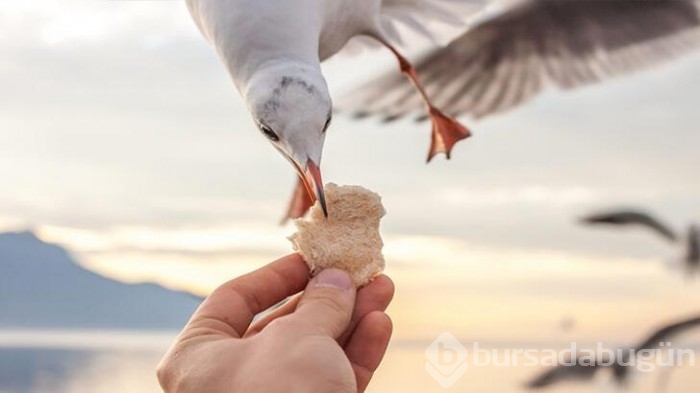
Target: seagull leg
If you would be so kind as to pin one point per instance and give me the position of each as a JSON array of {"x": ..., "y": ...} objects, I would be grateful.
[
  {"x": 300, "y": 203},
  {"x": 446, "y": 131}
]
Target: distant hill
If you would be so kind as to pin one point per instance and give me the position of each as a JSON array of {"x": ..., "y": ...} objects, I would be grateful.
[{"x": 41, "y": 286}]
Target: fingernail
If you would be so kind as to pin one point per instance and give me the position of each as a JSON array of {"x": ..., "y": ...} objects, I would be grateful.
[{"x": 333, "y": 278}]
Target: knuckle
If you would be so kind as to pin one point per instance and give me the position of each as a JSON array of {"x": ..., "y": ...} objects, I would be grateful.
[
  {"x": 166, "y": 376},
  {"x": 332, "y": 304},
  {"x": 280, "y": 325},
  {"x": 168, "y": 370}
]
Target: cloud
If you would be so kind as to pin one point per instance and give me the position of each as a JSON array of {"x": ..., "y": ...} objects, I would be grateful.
[
  {"x": 200, "y": 258},
  {"x": 76, "y": 22},
  {"x": 119, "y": 123}
]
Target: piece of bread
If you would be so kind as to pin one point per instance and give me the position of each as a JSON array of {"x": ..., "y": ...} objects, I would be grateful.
[{"x": 348, "y": 239}]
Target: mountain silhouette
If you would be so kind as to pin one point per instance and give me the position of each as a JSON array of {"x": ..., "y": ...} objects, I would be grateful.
[{"x": 41, "y": 286}]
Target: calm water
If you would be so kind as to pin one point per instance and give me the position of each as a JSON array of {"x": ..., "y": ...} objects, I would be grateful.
[{"x": 111, "y": 362}]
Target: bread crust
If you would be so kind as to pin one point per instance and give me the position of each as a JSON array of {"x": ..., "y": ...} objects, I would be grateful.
[{"x": 348, "y": 239}]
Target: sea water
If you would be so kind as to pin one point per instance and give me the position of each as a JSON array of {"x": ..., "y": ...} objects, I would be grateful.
[{"x": 116, "y": 362}]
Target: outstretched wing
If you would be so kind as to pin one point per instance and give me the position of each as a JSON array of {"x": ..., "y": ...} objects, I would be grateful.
[
  {"x": 422, "y": 16},
  {"x": 564, "y": 373},
  {"x": 507, "y": 59},
  {"x": 631, "y": 217},
  {"x": 667, "y": 333},
  {"x": 437, "y": 20}
]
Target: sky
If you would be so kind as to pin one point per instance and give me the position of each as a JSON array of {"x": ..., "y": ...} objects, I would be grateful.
[{"x": 124, "y": 140}]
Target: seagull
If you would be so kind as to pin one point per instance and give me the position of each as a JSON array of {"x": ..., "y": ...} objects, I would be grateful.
[
  {"x": 578, "y": 371},
  {"x": 506, "y": 52},
  {"x": 691, "y": 241},
  {"x": 632, "y": 218},
  {"x": 583, "y": 371}
]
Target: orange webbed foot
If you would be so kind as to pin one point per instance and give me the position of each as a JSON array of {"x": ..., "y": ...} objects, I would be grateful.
[
  {"x": 446, "y": 133},
  {"x": 446, "y": 130},
  {"x": 300, "y": 203}
]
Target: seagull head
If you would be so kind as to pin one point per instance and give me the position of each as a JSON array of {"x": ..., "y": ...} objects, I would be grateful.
[{"x": 292, "y": 108}]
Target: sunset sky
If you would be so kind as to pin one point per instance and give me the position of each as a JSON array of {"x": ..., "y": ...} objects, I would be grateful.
[{"x": 124, "y": 140}]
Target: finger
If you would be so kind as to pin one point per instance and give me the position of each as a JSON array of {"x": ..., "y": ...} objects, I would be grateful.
[
  {"x": 375, "y": 296},
  {"x": 232, "y": 306},
  {"x": 285, "y": 309},
  {"x": 326, "y": 305},
  {"x": 368, "y": 345}
]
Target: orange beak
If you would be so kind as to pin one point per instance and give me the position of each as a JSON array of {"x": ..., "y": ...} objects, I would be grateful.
[
  {"x": 315, "y": 173},
  {"x": 311, "y": 177}
]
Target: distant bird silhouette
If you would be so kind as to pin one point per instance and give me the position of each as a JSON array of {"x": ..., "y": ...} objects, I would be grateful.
[
  {"x": 620, "y": 372},
  {"x": 692, "y": 256},
  {"x": 632, "y": 217},
  {"x": 691, "y": 241},
  {"x": 579, "y": 372}
]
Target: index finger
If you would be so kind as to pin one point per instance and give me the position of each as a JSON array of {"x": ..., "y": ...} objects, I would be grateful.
[{"x": 231, "y": 307}]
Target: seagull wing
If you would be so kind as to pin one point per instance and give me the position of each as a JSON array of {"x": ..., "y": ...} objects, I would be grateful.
[
  {"x": 506, "y": 59},
  {"x": 437, "y": 20},
  {"x": 562, "y": 373},
  {"x": 667, "y": 333},
  {"x": 426, "y": 17},
  {"x": 631, "y": 217}
]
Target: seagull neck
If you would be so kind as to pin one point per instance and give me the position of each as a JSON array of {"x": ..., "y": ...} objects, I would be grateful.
[
  {"x": 293, "y": 45},
  {"x": 243, "y": 69}
]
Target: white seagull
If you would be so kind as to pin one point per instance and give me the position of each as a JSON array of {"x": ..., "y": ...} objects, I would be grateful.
[{"x": 509, "y": 51}]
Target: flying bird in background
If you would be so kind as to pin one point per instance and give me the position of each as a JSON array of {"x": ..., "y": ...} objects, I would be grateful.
[
  {"x": 579, "y": 370},
  {"x": 583, "y": 371},
  {"x": 633, "y": 218},
  {"x": 507, "y": 52}
]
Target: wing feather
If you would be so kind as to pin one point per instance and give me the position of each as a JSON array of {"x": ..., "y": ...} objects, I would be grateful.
[
  {"x": 426, "y": 16},
  {"x": 632, "y": 217},
  {"x": 667, "y": 333},
  {"x": 537, "y": 43}
]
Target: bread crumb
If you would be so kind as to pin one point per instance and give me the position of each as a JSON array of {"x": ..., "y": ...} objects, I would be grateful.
[{"x": 348, "y": 239}]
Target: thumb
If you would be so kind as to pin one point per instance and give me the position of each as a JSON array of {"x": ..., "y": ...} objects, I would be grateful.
[{"x": 327, "y": 303}]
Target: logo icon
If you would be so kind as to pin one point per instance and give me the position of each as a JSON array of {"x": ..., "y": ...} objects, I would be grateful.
[{"x": 446, "y": 357}]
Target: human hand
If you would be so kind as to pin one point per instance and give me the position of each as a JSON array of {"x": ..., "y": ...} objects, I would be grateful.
[{"x": 331, "y": 338}]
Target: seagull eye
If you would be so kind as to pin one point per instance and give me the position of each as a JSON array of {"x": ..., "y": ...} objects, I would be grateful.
[
  {"x": 269, "y": 133},
  {"x": 328, "y": 123}
]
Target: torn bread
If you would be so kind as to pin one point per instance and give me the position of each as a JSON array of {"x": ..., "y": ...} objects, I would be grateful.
[{"x": 348, "y": 239}]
